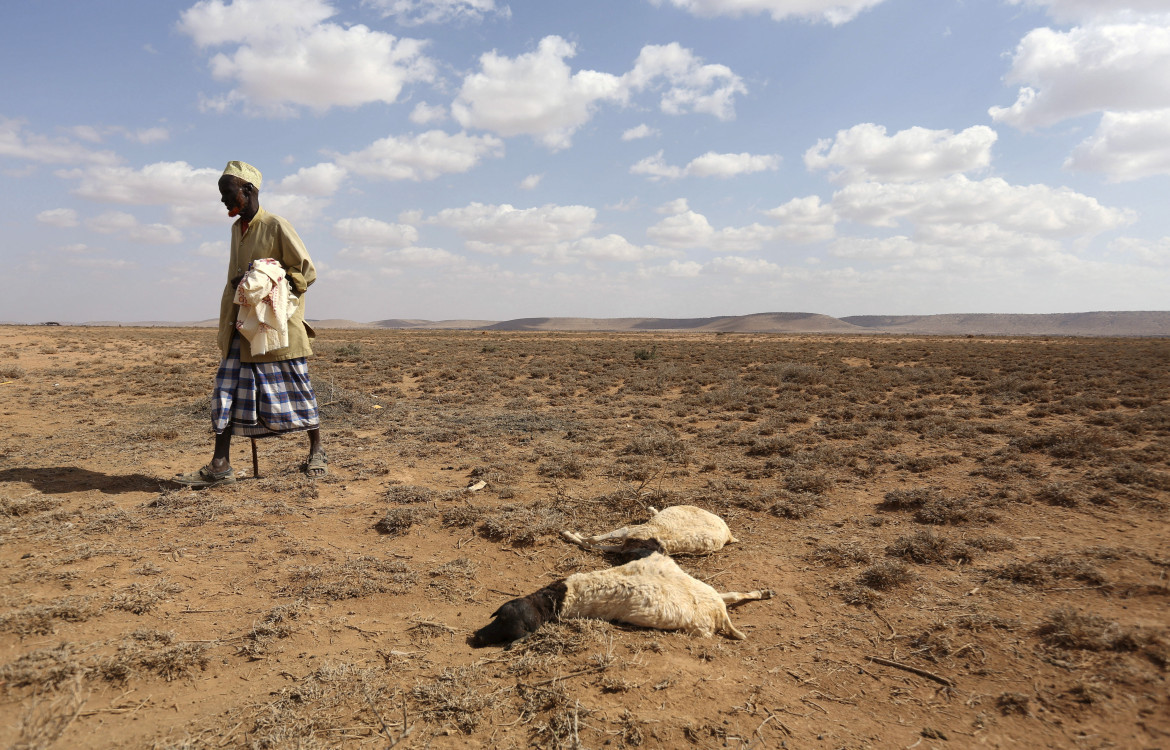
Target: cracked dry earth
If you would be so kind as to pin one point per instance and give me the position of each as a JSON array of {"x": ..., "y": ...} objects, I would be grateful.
[{"x": 967, "y": 538}]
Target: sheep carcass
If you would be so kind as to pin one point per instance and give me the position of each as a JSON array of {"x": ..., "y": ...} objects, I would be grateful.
[
  {"x": 652, "y": 592},
  {"x": 680, "y": 529}
]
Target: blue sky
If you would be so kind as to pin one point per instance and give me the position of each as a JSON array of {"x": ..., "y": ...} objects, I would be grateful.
[{"x": 476, "y": 159}]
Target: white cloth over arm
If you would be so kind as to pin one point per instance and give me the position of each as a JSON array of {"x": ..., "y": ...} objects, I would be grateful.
[{"x": 266, "y": 304}]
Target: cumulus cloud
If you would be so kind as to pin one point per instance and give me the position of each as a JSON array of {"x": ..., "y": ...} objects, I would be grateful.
[
  {"x": 421, "y": 157},
  {"x": 128, "y": 227},
  {"x": 58, "y": 217},
  {"x": 189, "y": 193},
  {"x": 687, "y": 83},
  {"x": 16, "y": 142},
  {"x": 416, "y": 12},
  {"x": 682, "y": 230},
  {"x": 640, "y": 131},
  {"x": 709, "y": 164},
  {"x": 835, "y": 12},
  {"x": 323, "y": 179},
  {"x": 427, "y": 114},
  {"x": 1072, "y": 11},
  {"x": 503, "y": 229},
  {"x": 864, "y": 152},
  {"x": 1126, "y": 146},
  {"x": 804, "y": 220},
  {"x": 1064, "y": 74},
  {"x": 800, "y": 221},
  {"x": 740, "y": 266},
  {"x": 531, "y": 181},
  {"x": 366, "y": 232},
  {"x": 286, "y": 55},
  {"x": 1152, "y": 252},
  {"x": 534, "y": 94},
  {"x": 1035, "y": 209},
  {"x": 538, "y": 94}
]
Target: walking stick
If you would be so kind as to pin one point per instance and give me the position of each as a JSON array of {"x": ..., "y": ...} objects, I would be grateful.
[{"x": 255, "y": 461}]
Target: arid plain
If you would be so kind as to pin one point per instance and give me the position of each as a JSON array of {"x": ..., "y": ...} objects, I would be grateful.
[{"x": 967, "y": 537}]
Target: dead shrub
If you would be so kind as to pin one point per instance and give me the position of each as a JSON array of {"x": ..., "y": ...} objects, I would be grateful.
[
  {"x": 398, "y": 521},
  {"x": 954, "y": 510},
  {"x": 926, "y": 547},
  {"x": 796, "y": 505},
  {"x": 408, "y": 493},
  {"x": 458, "y": 695},
  {"x": 885, "y": 575},
  {"x": 840, "y": 555}
]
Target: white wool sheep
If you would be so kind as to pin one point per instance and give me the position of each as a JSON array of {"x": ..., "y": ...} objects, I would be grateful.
[
  {"x": 652, "y": 592},
  {"x": 680, "y": 529}
]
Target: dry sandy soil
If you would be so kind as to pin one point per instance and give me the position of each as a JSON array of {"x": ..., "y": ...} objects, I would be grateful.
[{"x": 967, "y": 537}]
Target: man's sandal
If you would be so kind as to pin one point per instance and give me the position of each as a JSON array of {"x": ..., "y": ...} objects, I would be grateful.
[
  {"x": 205, "y": 477},
  {"x": 315, "y": 466}
]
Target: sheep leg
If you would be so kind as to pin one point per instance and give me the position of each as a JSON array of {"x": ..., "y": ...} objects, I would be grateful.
[
  {"x": 590, "y": 543},
  {"x": 731, "y": 598}
]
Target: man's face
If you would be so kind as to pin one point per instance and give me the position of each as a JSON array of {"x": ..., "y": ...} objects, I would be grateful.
[{"x": 231, "y": 192}]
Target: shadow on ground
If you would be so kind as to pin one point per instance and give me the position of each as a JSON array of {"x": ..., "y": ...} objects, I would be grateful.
[{"x": 56, "y": 480}]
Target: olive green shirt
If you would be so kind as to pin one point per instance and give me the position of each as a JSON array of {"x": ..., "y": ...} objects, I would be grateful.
[{"x": 269, "y": 236}]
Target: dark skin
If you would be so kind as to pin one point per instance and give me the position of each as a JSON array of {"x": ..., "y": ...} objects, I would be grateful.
[{"x": 242, "y": 199}]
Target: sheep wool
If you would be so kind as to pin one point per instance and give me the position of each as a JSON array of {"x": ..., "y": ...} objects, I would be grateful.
[
  {"x": 680, "y": 529},
  {"x": 653, "y": 592}
]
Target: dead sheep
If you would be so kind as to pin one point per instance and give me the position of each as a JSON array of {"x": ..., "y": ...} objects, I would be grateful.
[
  {"x": 651, "y": 592},
  {"x": 680, "y": 529}
]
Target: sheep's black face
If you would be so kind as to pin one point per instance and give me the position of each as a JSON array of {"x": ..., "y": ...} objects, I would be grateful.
[
  {"x": 521, "y": 617},
  {"x": 636, "y": 549}
]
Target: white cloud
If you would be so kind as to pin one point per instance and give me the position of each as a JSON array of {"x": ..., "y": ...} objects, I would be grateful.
[
  {"x": 640, "y": 131},
  {"x": 801, "y": 221},
  {"x": 127, "y": 226},
  {"x": 739, "y": 266},
  {"x": 614, "y": 247},
  {"x": 1035, "y": 209},
  {"x": 1156, "y": 252},
  {"x": 147, "y": 136},
  {"x": 416, "y": 12},
  {"x": 1126, "y": 146},
  {"x": 323, "y": 179},
  {"x": 502, "y": 229},
  {"x": 426, "y": 114},
  {"x": 677, "y": 269},
  {"x": 421, "y": 157},
  {"x": 1064, "y": 11},
  {"x": 531, "y": 181},
  {"x": 17, "y": 143},
  {"x": 682, "y": 230},
  {"x": 864, "y": 152},
  {"x": 367, "y": 232},
  {"x": 534, "y": 94},
  {"x": 285, "y": 56},
  {"x": 691, "y": 85},
  {"x": 538, "y": 94},
  {"x": 1117, "y": 67},
  {"x": 709, "y": 164},
  {"x": 835, "y": 12},
  {"x": 218, "y": 249},
  {"x": 58, "y": 217}
]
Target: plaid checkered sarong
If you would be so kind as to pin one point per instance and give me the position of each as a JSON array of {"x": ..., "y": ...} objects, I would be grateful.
[{"x": 262, "y": 398}]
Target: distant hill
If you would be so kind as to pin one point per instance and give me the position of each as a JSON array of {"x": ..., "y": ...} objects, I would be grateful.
[
  {"x": 1138, "y": 323},
  {"x": 991, "y": 324}
]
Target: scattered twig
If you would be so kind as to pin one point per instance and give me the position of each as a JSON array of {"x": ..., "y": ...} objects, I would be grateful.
[
  {"x": 593, "y": 670},
  {"x": 915, "y": 670}
]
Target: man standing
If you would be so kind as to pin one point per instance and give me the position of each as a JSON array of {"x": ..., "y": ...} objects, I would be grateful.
[{"x": 269, "y": 393}]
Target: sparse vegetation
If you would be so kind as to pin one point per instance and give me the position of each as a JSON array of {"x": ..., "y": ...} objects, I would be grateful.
[{"x": 994, "y": 509}]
